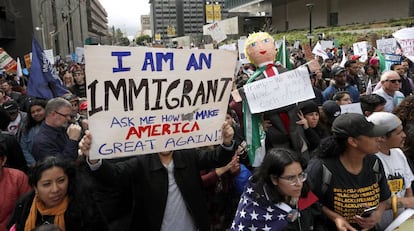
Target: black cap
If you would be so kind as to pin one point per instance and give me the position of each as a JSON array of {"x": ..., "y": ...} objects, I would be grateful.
[
  {"x": 308, "y": 107},
  {"x": 354, "y": 125},
  {"x": 331, "y": 110},
  {"x": 11, "y": 106},
  {"x": 337, "y": 70}
]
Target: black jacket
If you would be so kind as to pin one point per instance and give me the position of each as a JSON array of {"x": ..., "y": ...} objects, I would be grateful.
[
  {"x": 78, "y": 216},
  {"x": 149, "y": 179}
]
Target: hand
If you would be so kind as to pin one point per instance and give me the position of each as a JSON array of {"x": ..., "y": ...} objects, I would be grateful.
[
  {"x": 74, "y": 132},
  {"x": 234, "y": 161},
  {"x": 302, "y": 121},
  {"x": 85, "y": 124},
  {"x": 368, "y": 222},
  {"x": 235, "y": 165},
  {"x": 85, "y": 146},
  {"x": 343, "y": 225},
  {"x": 227, "y": 133},
  {"x": 266, "y": 124}
]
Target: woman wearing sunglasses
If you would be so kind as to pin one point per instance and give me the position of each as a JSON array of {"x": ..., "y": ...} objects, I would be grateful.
[{"x": 277, "y": 197}]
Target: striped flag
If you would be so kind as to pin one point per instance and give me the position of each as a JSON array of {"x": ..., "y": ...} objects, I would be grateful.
[
  {"x": 253, "y": 129},
  {"x": 283, "y": 55},
  {"x": 381, "y": 60}
]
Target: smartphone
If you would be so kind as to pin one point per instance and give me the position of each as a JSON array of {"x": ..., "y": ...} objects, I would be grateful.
[{"x": 368, "y": 212}]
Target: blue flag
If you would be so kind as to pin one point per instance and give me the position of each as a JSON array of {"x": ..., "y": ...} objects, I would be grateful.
[{"x": 42, "y": 83}]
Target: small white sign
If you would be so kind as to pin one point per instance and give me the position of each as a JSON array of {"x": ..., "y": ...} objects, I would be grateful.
[{"x": 279, "y": 91}]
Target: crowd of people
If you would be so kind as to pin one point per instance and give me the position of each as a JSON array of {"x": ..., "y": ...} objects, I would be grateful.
[{"x": 323, "y": 169}]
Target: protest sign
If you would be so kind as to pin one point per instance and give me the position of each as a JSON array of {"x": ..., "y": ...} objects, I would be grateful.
[
  {"x": 361, "y": 49},
  {"x": 388, "y": 45},
  {"x": 405, "y": 37},
  {"x": 216, "y": 33},
  {"x": 285, "y": 89},
  {"x": 391, "y": 59},
  {"x": 7, "y": 62},
  {"x": 79, "y": 54},
  {"x": 242, "y": 56},
  {"x": 351, "y": 108},
  {"x": 148, "y": 100}
]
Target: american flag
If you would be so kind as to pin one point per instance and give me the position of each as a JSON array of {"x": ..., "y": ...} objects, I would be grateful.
[{"x": 255, "y": 215}]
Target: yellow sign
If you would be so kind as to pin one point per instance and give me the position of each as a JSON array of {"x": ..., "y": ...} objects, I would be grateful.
[
  {"x": 217, "y": 12},
  {"x": 209, "y": 13},
  {"x": 158, "y": 37}
]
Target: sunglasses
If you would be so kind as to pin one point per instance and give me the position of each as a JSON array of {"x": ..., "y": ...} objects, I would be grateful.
[{"x": 394, "y": 80}]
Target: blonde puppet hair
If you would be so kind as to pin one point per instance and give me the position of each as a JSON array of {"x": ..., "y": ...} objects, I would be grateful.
[{"x": 252, "y": 39}]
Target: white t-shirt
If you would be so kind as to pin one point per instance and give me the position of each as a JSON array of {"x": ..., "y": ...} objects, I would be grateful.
[{"x": 399, "y": 177}]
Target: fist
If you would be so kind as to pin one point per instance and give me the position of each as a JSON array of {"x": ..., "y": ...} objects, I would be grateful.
[{"x": 74, "y": 132}]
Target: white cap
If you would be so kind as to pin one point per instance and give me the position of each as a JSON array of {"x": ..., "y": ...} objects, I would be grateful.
[{"x": 386, "y": 119}]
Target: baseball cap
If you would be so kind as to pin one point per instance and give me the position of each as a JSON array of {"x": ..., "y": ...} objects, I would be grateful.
[
  {"x": 83, "y": 105},
  {"x": 354, "y": 125},
  {"x": 355, "y": 57},
  {"x": 10, "y": 106},
  {"x": 331, "y": 109},
  {"x": 385, "y": 119},
  {"x": 337, "y": 70}
]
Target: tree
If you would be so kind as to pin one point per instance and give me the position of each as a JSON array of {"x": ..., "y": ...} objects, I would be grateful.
[
  {"x": 124, "y": 41},
  {"x": 142, "y": 40}
]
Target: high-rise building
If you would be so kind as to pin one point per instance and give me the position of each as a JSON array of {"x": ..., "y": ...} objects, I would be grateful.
[
  {"x": 174, "y": 18},
  {"x": 146, "y": 25}
]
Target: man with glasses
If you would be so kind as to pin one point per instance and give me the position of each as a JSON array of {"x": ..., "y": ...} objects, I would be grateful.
[
  {"x": 56, "y": 137},
  {"x": 390, "y": 85},
  {"x": 407, "y": 85}
]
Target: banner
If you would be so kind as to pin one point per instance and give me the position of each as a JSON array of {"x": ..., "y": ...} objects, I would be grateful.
[
  {"x": 148, "y": 100},
  {"x": 7, "y": 62},
  {"x": 42, "y": 83}
]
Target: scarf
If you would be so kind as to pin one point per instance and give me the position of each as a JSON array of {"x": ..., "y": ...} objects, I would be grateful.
[{"x": 58, "y": 211}]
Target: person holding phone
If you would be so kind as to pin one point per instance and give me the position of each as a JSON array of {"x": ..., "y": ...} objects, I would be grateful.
[{"x": 356, "y": 176}]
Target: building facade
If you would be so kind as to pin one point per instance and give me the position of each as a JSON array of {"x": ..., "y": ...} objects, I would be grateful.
[
  {"x": 294, "y": 14},
  {"x": 175, "y": 18},
  {"x": 60, "y": 25}
]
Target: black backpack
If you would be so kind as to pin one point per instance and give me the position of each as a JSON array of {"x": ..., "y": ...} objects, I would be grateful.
[{"x": 327, "y": 175}]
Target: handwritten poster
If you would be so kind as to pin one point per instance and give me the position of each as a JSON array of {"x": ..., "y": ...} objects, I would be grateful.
[
  {"x": 148, "y": 100},
  {"x": 388, "y": 45},
  {"x": 216, "y": 33},
  {"x": 361, "y": 49},
  {"x": 405, "y": 37},
  {"x": 285, "y": 89}
]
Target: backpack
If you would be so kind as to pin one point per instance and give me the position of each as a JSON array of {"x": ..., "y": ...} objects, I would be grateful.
[{"x": 327, "y": 175}]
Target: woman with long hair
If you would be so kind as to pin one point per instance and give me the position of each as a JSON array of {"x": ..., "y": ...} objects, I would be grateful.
[
  {"x": 35, "y": 117},
  {"x": 347, "y": 176},
  {"x": 60, "y": 196},
  {"x": 275, "y": 196}
]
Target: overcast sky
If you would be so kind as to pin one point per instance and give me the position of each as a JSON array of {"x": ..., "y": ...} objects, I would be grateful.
[{"x": 126, "y": 14}]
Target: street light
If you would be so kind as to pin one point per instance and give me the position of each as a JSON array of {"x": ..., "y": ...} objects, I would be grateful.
[
  {"x": 43, "y": 35},
  {"x": 310, "y": 6}
]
